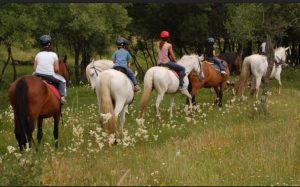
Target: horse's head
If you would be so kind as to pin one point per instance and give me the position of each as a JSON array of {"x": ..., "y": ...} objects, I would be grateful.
[
  {"x": 91, "y": 74},
  {"x": 191, "y": 62},
  {"x": 94, "y": 68},
  {"x": 281, "y": 54},
  {"x": 64, "y": 69}
]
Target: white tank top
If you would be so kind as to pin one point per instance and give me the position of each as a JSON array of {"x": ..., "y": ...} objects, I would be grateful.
[{"x": 45, "y": 62}]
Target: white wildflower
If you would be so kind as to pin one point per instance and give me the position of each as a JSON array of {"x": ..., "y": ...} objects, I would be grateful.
[
  {"x": 106, "y": 117},
  {"x": 11, "y": 149}
]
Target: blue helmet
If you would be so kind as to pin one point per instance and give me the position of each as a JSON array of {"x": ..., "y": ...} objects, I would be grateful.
[
  {"x": 45, "y": 40},
  {"x": 211, "y": 40},
  {"x": 121, "y": 41}
]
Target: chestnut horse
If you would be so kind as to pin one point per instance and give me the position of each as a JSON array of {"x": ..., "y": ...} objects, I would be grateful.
[
  {"x": 32, "y": 100},
  {"x": 212, "y": 79}
]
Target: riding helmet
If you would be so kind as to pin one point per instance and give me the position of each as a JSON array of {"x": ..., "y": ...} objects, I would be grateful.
[
  {"x": 45, "y": 40},
  {"x": 211, "y": 40},
  {"x": 121, "y": 41},
  {"x": 164, "y": 34}
]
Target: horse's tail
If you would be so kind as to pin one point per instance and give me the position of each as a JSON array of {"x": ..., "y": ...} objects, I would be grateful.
[
  {"x": 22, "y": 112},
  {"x": 107, "y": 115},
  {"x": 148, "y": 86},
  {"x": 240, "y": 85}
]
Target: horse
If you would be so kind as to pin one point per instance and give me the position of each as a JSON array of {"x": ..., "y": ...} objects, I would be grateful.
[
  {"x": 114, "y": 92},
  {"x": 257, "y": 66},
  {"x": 164, "y": 80},
  {"x": 94, "y": 68},
  {"x": 211, "y": 79},
  {"x": 234, "y": 62},
  {"x": 32, "y": 99}
]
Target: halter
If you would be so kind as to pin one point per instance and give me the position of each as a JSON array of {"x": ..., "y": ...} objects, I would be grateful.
[{"x": 96, "y": 69}]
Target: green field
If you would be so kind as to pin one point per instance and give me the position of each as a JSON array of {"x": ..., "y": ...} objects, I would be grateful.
[{"x": 232, "y": 145}]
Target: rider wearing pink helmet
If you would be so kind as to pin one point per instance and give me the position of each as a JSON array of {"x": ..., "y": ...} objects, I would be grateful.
[{"x": 167, "y": 58}]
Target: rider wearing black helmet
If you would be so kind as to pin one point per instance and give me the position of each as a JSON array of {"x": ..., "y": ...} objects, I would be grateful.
[
  {"x": 209, "y": 54},
  {"x": 121, "y": 58},
  {"x": 46, "y": 66}
]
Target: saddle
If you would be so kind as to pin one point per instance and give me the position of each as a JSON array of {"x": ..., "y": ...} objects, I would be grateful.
[
  {"x": 215, "y": 66},
  {"x": 175, "y": 72},
  {"x": 53, "y": 87},
  {"x": 121, "y": 69}
]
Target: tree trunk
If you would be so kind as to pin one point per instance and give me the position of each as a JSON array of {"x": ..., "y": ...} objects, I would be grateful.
[
  {"x": 266, "y": 79},
  {"x": 76, "y": 63},
  {"x": 9, "y": 57}
]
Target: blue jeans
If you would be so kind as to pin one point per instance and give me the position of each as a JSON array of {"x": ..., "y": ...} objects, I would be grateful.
[
  {"x": 176, "y": 67},
  {"x": 218, "y": 62},
  {"x": 61, "y": 84},
  {"x": 130, "y": 74}
]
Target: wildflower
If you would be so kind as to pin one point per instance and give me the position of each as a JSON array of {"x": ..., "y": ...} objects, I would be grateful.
[
  {"x": 11, "y": 149},
  {"x": 106, "y": 117}
]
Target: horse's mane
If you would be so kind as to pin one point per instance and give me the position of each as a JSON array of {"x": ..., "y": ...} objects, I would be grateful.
[{"x": 185, "y": 57}]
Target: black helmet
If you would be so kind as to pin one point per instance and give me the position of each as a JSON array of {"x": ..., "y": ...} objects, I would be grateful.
[
  {"x": 45, "y": 40},
  {"x": 121, "y": 41},
  {"x": 211, "y": 40}
]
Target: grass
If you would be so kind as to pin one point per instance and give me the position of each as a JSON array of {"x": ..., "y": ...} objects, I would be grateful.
[{"x": 233, "y": 145}]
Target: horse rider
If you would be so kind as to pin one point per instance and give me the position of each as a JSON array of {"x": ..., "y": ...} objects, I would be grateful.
[
  {"x": 121, "y": 58},
  {"x": 167, "y": 58},
  {"x": 262, "y": 47},
  {"x": 46, "y": 66},
  {"x": 209, "y": 53}
]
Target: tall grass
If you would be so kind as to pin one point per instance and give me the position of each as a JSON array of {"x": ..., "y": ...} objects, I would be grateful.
[{"x": 233, "y": 145}]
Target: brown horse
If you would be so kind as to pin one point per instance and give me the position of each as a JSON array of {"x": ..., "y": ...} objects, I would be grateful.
[
  {"x": 212, "y": 79},
  {"x": 234, "y": 62},
  {"x": 32, "y": 100}
]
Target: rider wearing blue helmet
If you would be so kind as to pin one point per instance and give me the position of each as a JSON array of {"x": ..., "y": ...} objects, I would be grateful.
[
  {"x": 209, "y": 53},
  {"x": 121, "y": 58},
  {"x": 46, "y": 66}
]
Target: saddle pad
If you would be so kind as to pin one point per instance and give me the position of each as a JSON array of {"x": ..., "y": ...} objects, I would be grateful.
[
  {"x": 215, "y": 66},
  {"x": 53, "y": 90}
]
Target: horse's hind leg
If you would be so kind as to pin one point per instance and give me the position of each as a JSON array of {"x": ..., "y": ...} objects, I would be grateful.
[
  {"x": 55, "y": 131},
  {"x": 120, "y": 111},
  {"x": 40, "y": 130},
  {"x": 159, "y": 98},
  {"x": 122, "y": 119},
  {"x": 171, "y": 106}
]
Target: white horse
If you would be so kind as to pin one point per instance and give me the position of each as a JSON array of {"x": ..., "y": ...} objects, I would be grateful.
[
  {"x": 114, "y": 92},
  {"x": 163, "y": 80},
  {"x": 94, "y": 68},
  {"x": 257, "y": 65}
]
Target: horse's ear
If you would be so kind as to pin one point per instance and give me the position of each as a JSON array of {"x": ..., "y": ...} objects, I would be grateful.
[
  {"x": 287, "y": 48},
  {"x": 65, "y": 59}
]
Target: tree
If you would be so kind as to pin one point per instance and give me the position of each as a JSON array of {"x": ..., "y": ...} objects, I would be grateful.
[{"x": 15, "y": 31}]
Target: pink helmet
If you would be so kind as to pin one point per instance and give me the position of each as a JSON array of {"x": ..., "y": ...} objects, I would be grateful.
[{"x": 164, "y": 34}]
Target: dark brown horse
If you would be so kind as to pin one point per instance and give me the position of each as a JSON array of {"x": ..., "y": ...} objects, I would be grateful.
[
  {"x": 234, "y": 62},
  {"x": 32, "y": 100},
  {"x": 212, "y": 79}
]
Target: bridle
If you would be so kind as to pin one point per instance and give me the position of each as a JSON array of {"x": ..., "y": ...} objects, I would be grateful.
[{"x": 96, "y": 69}]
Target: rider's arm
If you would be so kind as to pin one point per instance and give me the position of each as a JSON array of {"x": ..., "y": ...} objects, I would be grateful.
[
  {"x": 214, "y": 52},
  {"x": 56, "y": 66},
  {"x": 171, "y": 56}
]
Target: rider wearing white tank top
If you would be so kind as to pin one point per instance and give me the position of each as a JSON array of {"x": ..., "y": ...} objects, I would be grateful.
[
  {"x": 45, "y": 62},
  {"x": 46, "y": 66}
]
